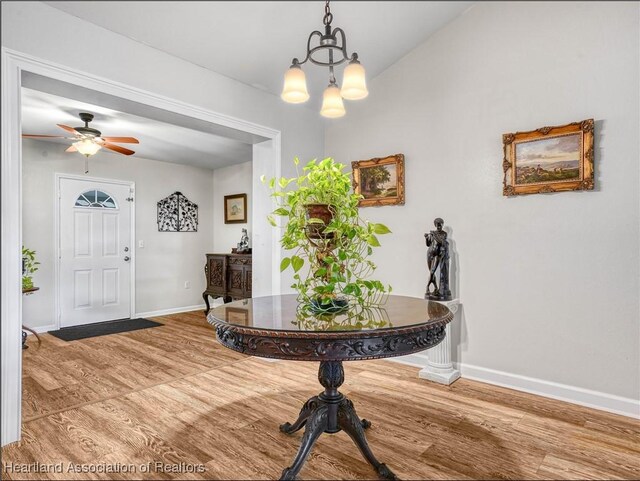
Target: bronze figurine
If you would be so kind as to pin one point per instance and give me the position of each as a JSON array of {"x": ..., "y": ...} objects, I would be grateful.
[{"x": 438, "y": 258}]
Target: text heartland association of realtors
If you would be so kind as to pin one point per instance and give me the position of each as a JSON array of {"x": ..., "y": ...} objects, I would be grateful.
[{"x": 103, "y": 468}]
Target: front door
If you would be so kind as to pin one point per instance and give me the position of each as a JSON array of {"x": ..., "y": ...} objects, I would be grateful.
[{"x": 95, "y": 251}]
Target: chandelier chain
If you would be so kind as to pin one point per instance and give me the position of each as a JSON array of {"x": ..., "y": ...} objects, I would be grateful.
[{"x": 328, "y": 16}]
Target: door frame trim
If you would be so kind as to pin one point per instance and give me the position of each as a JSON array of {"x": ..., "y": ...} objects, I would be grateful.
[
  {"x": 57, "y": 241},
  {"x": 13, "y": 64}
]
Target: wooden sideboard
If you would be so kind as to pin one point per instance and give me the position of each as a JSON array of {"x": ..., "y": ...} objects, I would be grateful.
[{"x": 228, "y": 276}]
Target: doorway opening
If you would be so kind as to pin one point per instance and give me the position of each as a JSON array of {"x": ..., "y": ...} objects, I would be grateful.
[{"x": 23, "y": 71}]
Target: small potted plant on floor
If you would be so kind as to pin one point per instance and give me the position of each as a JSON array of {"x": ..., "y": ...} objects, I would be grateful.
[
  {"x": 329, "y": 242},
  {"x": 29, "y": 266}
]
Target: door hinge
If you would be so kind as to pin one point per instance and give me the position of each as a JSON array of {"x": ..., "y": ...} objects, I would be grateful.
[{"x": 129, "y": 199}]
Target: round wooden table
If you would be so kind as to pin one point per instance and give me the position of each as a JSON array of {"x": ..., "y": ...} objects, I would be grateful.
[{"x": 276, "y": 327}]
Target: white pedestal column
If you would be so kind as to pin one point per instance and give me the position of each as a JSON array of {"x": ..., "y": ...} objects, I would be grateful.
[{"x": 439, "y": 366}]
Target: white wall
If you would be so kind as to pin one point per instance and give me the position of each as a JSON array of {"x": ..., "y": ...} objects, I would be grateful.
[
  {"x": 548, "y": 283},
  {"x": 26, "y": 24},
  {"x": 234, "y": 179},
  {"x": 167, "y": 260}
]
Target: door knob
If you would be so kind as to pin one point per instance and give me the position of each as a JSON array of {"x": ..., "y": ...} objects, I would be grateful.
[
  {"x": 126, "y": 249},
  {"x": 126, "y": 258}
]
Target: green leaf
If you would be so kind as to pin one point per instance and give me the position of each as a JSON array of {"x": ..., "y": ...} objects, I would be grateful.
[
  {"x": 271, "y": 220},
  {"x": 272, "y": 183},
  {"x": 380, "y": 229},
  {"x": 281, "y": 211},
  {"x": 297, "y": 263},
  {"x": 373, "y": 241},
  {"x": 284, "y": 263},
  {"x": 296, "y": 161},
  {"x": 263, "y": 178}
]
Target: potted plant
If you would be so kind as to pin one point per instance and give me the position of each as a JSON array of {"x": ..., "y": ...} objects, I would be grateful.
[
  {"x": 326, "y": 237},
  {"x": 29, "y": 266}
]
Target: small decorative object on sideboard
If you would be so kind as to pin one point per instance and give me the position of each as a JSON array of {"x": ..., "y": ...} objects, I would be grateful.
[
  {"x": 243, "y": 245},
  {"x": 176, "y": 213},
  {"x": 438, "y": 259},
  {"x": 549, "y": 159}
]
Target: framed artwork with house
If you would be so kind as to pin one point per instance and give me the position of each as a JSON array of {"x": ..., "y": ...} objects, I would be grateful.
[
  {"x": 549, "y": 159},
  {"x": 380, "y": 181}
]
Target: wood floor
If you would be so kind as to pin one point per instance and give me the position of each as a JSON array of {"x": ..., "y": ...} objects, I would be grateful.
[{"x": 171, "y": 395}]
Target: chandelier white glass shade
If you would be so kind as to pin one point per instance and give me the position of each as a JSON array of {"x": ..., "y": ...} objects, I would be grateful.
[
  {"x": 333, "y": 41},
  {"x": 354, "y": 83},
  {"x": 332, "y": 105},
  {"x": 295, "y": 86},
  {"x": 87, "y": 147}
]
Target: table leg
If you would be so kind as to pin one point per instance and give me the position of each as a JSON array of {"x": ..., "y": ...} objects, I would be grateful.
[
  {"x": 205, "y": 296},
  {"x": 305, "y": 412},
  {"x": 330, "y": 412}
]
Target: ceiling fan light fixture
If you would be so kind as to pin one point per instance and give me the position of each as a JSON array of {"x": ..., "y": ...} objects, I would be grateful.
[
  {"x": 87, "y": 147},
  {"x": 354, "y": 82},
  {"x": 332, "y": 105},
  {"x": 294, "y": 90}
]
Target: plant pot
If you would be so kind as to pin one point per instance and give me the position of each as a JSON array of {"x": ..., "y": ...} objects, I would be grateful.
[{"x": 322, "y": 212}]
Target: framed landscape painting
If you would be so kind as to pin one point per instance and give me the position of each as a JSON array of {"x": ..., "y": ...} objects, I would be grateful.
[
  {"x": 235, "y": 209},
  {"x": 379, "y": 181},
  {"x": 549, "y": 159}
]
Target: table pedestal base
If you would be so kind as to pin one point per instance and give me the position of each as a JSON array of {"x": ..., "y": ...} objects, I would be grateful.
[{"x": 330, "y": 412}]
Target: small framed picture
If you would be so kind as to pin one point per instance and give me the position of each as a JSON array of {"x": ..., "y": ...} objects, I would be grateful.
[
  {"x": 237, "y": 316},
  {"x": 549, "y": 159},
  {"x": 379, "y": 181},
  {"x": 235, "y": 209}
]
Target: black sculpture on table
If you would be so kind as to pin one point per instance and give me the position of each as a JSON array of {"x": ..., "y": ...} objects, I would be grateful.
[{"x": 438, "y": 259}]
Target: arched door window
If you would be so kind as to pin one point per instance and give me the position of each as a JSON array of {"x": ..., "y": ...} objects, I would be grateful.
[{"x": 96, "y": 199}]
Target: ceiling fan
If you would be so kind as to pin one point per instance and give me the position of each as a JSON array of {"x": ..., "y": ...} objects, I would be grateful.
[{"x": 88, "y": 140}]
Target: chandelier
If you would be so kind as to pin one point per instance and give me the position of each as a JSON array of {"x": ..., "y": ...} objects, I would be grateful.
[{"x": 330, "y": 51}]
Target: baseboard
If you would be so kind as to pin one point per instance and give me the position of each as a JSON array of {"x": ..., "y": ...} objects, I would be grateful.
[
  {"x": 416, "y": 360},
  {"x": 562, "y": 392},
  {"x": 174, "y": 310},
  {"x": 41, "y": 329}
]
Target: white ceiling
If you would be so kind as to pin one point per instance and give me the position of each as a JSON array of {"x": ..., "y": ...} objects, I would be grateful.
[
  {"x": 254, "y": 42},
  {"x": 158, "y": 140}
]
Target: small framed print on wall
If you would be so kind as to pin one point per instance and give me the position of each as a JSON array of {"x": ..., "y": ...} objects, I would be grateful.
[
  {"x": 380, "y": 181},
  {"x": 549, "y": 159},
  {"x": 235, "y": 209}
]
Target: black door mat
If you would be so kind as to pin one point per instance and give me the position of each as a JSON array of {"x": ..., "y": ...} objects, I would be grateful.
[{"x": 102, "y": 329}]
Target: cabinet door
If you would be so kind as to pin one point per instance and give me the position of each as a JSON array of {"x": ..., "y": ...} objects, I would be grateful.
[
  {"x": 236, "y": 284},
  {"x": 247, "y": 281},
  {"x": 217, "y": 266}
]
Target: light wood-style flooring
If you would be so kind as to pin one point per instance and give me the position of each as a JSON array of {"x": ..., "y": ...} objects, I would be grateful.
[{"x": 172, "y": 395}]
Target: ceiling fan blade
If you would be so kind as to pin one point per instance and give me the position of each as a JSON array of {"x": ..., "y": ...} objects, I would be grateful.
[
  {"x": 71, "y": 149},
  {"x": 117, "y": 148},
  {"x": 121, "y": 140},
  {"x": 68, "y": 129},
  {"x": 31, "y": 136}
]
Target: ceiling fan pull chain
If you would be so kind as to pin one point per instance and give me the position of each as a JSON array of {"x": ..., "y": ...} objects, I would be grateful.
[{"x": 86, "y": 165}]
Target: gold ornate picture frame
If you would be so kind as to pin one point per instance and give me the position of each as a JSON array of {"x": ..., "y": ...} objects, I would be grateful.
[
  {"x": 549, "y": 159},
  {"x": 380, "y": 181}
]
